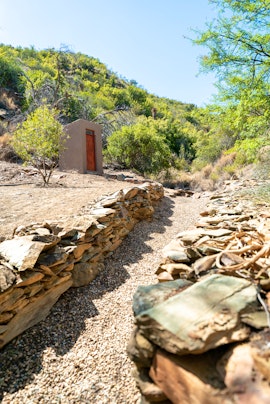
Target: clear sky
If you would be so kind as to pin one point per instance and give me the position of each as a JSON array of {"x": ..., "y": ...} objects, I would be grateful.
[{"x": 142, "y": 40}]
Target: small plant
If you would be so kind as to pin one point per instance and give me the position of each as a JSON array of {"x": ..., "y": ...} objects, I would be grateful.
[{"x": 39, "y": 140}]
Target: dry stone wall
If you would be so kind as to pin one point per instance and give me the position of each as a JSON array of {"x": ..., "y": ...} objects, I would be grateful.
[
  {"x": 202, "y": 334},
  {"x": 42, "y": 261}
]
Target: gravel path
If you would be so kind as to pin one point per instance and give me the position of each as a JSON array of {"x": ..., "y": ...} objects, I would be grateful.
[{"x": 78, "y": 354}]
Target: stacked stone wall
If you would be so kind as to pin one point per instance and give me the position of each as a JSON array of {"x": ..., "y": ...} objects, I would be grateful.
[
  {"x": 202, "y": 334},
  {"x": 42, "y": 261}
]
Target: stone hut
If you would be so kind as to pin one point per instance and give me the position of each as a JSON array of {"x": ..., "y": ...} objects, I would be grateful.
[{"x": 83, "y": 148}]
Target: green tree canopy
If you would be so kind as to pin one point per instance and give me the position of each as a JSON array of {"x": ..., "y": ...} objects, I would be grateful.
[
  {"x": 238, "y": 43},
  {"x": 39, "y": 140}
]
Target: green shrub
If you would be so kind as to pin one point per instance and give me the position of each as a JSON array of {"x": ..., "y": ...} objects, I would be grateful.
[
  {"x": 139, "y": 146},
  {"x": 38, "y": 141}
]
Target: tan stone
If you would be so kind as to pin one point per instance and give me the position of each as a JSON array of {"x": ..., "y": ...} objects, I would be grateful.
[
  {"x": 55, "y": 281},
  {"x": 140, "y": 350},
  {"x": 34, "y": 312},
  {"x": 80, "y": 248},
  {"x": 77, "y": 227},
  {"x": 33, "y": 289},
  {"x": 5, "y": 317},
  {"x": 66, "y": 266},
  {"x": 242, "y": 378},
  {"x": 28, "y": 277},
  {"x": 83, "y": 274},
  {"x": 21, "y": 252},
  {"x": 3, "y": 328},
  {"x": 7, "y": 277},
  {"x": 47, "y": 270},
  {"x": 186, "y": 380},
  {"x": 174, "y": 268},
  {"x": 150, "y": 391},
  {"x": 165, "y": 277},
  {"x": 22, "y": 302},
  {"x": 130, "y": 193},
  {"x": 260, "y": 351},
  {"x": 8, "y": 299}
]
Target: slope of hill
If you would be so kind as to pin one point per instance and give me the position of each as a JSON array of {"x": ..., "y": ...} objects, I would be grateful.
[{"x": 79, "y": 85}]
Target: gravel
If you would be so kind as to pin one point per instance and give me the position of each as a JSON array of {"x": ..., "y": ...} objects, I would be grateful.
[{"x": 78, "y": 354}]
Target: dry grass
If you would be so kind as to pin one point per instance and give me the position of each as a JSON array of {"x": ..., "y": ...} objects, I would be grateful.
[
  {"x": 6, "y": 150},
  {"x": 5, "y": 139},
  {"x": 209, "y": 178}
]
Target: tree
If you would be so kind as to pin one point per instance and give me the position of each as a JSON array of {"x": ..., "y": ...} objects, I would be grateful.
[
  {"x": 238, "y": 43},
  {"x": 238, "y": 40},
  {"x": 39, "y": 140}
]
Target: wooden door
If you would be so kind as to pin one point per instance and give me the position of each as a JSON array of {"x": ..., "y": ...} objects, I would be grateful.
[{"x": 90, "y": 150}]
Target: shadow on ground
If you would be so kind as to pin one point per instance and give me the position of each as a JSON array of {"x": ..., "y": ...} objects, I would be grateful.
[{"x": 21, "y": 359}]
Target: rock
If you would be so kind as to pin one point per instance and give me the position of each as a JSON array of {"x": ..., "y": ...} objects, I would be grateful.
[
  {"x": 130, "y": 193},
  {"x": 83, "y": 274},
  {"x": 9, "y": 298},
  {"x": 56, "y": 256},
  {"x": 176, "y": 255},
  {"x": 260, "y": 351},
  {"x": 7, "y": 278},
  {"x": 203, "y": 264},
  {"x": 21, "y": 252},
  {"x": 6, "y": 317},
  {"x": 151, "y": 392},
  {"x": 140, "y": 350},
  {"x": 202, "y": 317},
  {"x": 174, "y": 268},
  {"x": 190, "y": 237},
  {"x": 28, "y": 278},
  {"x": 187, "y": 379},
  {"x": 80, "y": 248},
  {"x": 257, "y": 320},
  {"x": 33, "y": 313},
  {"x": 147, "y": 297},
  {"x": 75, "y": 228},
  {"x": 103, "y": 214},
  {"x": 45, "y": 258},
  {"x": 165, "y": 277},
  {"x": 244, "y": 382},
  {"x": 143, "y": 213}
]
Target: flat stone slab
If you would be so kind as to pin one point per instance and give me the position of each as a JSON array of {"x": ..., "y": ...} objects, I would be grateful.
[
  {"x": 21, "y": 252},
  {"x": 201, "y": 317}
]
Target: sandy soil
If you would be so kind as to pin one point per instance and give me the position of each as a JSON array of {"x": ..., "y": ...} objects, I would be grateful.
[{"x": 23, "y": 199}]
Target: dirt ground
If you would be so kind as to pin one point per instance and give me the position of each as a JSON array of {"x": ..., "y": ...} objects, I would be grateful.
[{"x": 24, "y": 200}]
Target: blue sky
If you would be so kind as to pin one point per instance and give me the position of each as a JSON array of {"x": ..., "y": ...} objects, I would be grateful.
[{"x": 142, "y": 40}]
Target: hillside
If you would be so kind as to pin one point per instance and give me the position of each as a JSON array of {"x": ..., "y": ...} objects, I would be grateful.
[
  {"x": 168, "y": 136},
  {"x": 80, "y": 86}
]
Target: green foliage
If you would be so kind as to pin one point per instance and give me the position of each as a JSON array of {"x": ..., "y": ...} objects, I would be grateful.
[
  {"x": 140, "y": 146},
  {"x": 11, "y": 75},
  {"x": 238, "y": 40},
  {"x": 238, "y": 43},
  {"x": 38, "y": 141},
  {"x": 79, "y": 86},
  {"x": 65, "y": 79}
]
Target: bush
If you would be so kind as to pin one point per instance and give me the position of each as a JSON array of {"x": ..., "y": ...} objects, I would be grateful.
[
  {"x": 11, "y": 76},
  {"x": 139, "y": 147},
  {"x": 38, "y": 141}
]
